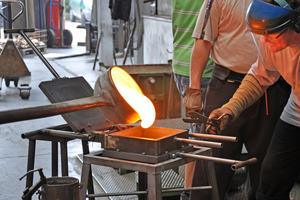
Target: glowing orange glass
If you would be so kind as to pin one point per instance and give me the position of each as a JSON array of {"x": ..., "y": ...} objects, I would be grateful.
[{"x": 134, "y": 96}]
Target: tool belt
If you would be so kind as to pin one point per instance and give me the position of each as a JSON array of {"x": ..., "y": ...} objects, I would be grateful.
[{"x": 223, "y": 73}]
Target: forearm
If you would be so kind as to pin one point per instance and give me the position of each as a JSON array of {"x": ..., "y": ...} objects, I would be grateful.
[
  {"x": 199, "y": 58},
  {"x": 248, "y": 92}
]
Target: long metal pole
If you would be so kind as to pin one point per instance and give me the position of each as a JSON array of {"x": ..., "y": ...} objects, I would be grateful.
[
  {"x": 236, "y": 164},
  {"x": 61, "y": 9},
  {"x": 200, "y": 142},
  {"x": 215, "y": 137},
  {"x": 53, "y": 109},
  {"x": 67, "y": 134}
]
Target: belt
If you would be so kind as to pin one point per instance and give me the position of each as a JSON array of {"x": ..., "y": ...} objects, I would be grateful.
[{"x": 224, "y": 73}]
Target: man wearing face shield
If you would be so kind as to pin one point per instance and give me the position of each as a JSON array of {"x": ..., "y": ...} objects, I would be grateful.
[
  {"x": 228, "y": 42},
  {"x": 276, "y": 31}
]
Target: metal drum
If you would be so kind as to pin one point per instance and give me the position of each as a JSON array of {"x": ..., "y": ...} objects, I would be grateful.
[{"x": 60, "y": 188}]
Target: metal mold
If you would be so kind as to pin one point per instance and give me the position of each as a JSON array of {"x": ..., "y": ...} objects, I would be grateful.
[{"x": 153, "y": 141}]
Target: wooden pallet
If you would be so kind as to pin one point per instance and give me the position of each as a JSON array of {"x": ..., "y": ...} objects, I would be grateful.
[{"x": 27, "y": 51}]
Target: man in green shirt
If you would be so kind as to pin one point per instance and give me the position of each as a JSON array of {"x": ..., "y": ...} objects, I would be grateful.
[{"x": 184, "y": 17}]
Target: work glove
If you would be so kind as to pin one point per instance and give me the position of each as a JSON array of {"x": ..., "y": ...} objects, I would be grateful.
[
  {"x": 193, "y": 100},
  {"x": 218, "y": 120}
]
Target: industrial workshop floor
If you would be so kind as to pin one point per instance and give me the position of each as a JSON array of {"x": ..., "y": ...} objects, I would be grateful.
[{"x": 14, "y": 150}]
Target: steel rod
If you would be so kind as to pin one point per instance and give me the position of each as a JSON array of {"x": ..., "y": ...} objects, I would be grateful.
[
  {"x": 66, "y": 134},
  {"x": 215, "y": 137},
  {"x": 30, "y": 134},
  {"x": 53, "y": 109},
  {"x": 241, "y": 164},
  {"x": 236, "y": 164},
  {"x": 40, "y": 55},
  {"x": 146, "y": 192},
  {"x": 200, "y": 142}
]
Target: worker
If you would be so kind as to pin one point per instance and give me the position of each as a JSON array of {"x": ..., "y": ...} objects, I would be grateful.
[
  {"x": 184, "y": 17},
  {"x": 276, "y": 25},
  {"x": 229, "y": 44}
]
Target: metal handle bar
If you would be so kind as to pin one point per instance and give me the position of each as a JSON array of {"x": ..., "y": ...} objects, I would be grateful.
[
  {"x": 17, "y": 15},
  {"x": 214, "y": 137},
  {"x": 9, "y": 31},
  {"x": 40, "y": 170},
  {"x": 34, "y": 48},
  {"x": 235, "y": 164},
  {"x": 200, "y": 142}
]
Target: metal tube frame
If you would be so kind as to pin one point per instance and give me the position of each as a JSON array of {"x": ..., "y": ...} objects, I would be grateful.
[
  {"x": 153, "y": 172},
  {"x": 236, "y": 164},
  {"x": 215, "y": 137},
  {"x": 200, "y": 142}
]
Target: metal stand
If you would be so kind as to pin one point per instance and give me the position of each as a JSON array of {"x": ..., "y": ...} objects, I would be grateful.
[
  {"x": 38, "y": 135},
  {"x": 152, "y": 173}
]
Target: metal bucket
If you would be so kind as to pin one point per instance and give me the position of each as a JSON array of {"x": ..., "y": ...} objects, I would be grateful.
[
  {"x": 60, "y": 188},
  {"x": 121, "y": 112}
]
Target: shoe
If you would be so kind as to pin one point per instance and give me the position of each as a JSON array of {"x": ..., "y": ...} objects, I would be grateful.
[
  {"x": 238, "y": 179},
  {"x": 185, "y": 195}
]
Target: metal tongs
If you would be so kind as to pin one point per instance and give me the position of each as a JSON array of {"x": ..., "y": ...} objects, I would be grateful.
[{"x": 196, "y": 117}]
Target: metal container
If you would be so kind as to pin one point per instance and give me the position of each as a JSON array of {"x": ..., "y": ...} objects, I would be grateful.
[
  {"x": 60, "y": 188},
  {"x": 121, "y": 112},
  {"x": 153, "y": 141}
]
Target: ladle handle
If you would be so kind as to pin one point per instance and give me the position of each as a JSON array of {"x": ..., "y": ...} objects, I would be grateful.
[{"x": 51, "y": 110}]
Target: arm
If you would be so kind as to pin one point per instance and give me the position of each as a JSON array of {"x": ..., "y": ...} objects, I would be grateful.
[
  {"x": 249, "y": 92},
  {"x": 199, "y": 58},
  {"x": 200, "y": 54}
]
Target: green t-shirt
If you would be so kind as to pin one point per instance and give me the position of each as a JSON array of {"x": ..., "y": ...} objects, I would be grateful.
[{"x": 184, "y": 18}]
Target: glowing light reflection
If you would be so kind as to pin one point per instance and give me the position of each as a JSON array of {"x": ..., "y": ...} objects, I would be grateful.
[{"x": 132, "y": 93}]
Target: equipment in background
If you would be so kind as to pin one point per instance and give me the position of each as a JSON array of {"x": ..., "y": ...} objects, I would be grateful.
[
  {"x": 12, "y": 66},
  {"x": 55, "y": 25}
]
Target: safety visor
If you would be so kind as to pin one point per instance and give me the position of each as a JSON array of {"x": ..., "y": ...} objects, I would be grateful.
[{"x": 263, "y": 18}]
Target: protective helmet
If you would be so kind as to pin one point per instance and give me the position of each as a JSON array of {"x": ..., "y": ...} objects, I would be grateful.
[{"x": 264, "y": 18}]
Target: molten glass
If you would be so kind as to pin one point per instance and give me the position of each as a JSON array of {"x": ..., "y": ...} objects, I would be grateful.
[{"x": 134, "y": 96}]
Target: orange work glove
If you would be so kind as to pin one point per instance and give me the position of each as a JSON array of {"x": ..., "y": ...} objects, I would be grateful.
[
  {"x": 193, "y": 99},
  {"x": 218, "y": 120},
  {"x": 248, "y": 92}
]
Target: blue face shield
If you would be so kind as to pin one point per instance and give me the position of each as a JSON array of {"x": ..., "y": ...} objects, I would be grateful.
[{"x": 263, "y": 18}]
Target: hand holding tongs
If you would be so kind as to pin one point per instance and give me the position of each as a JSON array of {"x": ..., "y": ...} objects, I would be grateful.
[{"x": 196, "y": 117}]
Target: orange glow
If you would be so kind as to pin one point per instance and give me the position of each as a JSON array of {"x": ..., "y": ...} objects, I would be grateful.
[{"x": 134, "y": 96}]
